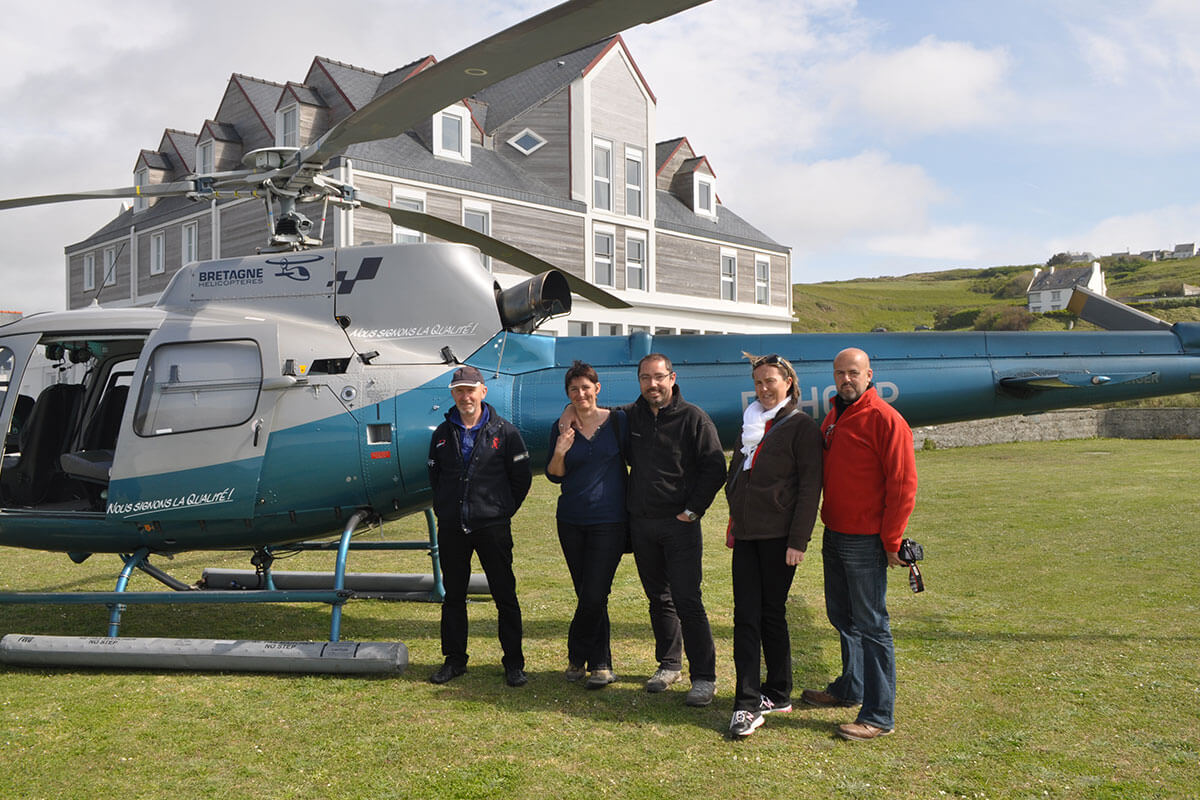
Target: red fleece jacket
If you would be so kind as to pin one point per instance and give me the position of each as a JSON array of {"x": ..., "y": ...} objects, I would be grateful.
[{"x": 870, "y": 470}]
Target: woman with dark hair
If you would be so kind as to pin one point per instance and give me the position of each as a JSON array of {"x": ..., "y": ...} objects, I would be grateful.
[
  {"x": 773, "y": 487},
  {"x": 586, "y": 459}
]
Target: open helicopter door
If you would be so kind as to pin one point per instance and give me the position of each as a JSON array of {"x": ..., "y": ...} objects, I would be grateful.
[
  {"x": 194, "y": 431},
  {"x": 14, "y": 357}
]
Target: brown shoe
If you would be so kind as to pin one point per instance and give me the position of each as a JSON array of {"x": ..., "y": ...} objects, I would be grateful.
[
  {"x": 861, "y": 731},
  {"x": 822, "y": 698}
]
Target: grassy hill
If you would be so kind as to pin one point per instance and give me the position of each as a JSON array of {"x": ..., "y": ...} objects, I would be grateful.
[{"x": 909, "y": 301}]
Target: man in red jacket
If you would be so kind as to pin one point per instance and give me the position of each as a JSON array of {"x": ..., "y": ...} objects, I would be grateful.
[{"x": 870, "y": 485}]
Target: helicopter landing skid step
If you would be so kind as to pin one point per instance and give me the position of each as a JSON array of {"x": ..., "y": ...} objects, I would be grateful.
[{"x": 345, "y": 658}]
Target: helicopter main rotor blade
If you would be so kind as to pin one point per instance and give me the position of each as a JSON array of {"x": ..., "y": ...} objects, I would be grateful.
[
  {"x": 559, "y": 30},
  {"x": 202, "y": 185},
  {"x": 451, "y": 232}
]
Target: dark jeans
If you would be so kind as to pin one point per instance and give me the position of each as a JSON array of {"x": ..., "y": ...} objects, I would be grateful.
[
  {"x": 761, "y": 581},
  {"x": 667, "y": 553},
  {"x": 856, "y": 602},
  {"x": 593, "y": 553},
  {"x": 494, "y": 547}
]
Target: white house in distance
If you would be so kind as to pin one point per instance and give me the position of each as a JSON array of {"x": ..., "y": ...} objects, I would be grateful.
[
  {"x": 1050, "y": 289},
  {"x": 562, "y": 160}
]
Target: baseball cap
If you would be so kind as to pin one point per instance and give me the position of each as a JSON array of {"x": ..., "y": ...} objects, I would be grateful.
[{"x": 466, "y": 376}]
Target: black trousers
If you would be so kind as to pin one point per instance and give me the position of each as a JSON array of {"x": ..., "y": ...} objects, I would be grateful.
[
  {"x": 494, "y": 547},
  {"x": 761, "y": 582},
  {"x": 668, "y": 553},
  {"x": 593, "y": 553}
]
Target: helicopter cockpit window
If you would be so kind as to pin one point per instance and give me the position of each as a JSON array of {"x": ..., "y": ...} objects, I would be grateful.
[{"x": 198, "y": 385}]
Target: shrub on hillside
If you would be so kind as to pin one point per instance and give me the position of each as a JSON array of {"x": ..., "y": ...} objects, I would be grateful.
[
  {"x": 950, "y": 319},
  {"x": 1004, "y": 318}
]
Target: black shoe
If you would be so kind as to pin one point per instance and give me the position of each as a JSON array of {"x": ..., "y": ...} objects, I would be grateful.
[
  {"x": 744, "y": 723},
  {"x": 515, "y": 676},
  {"x": 447, "y": 673}
]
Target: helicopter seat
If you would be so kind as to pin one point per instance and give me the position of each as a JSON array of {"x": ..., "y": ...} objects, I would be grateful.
[
  {"x": 42, "y": 438},
  {"x": 88, "y": 465},
  {"x": 99, "y": 440}
]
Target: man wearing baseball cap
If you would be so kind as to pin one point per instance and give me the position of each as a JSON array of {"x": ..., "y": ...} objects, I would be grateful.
[{"x": 480, "y": 473}]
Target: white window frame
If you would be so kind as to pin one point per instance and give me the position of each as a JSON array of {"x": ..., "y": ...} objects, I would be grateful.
[
  {"x": 141, "y": 178},
  {"x": 728, "y": 281},
  {"x": 189, "y": 243},
  {"x": 89, "y": 272},
  {"x": 762, "y": 280},
  {"x": 579, "y": 328},
  {"x": 484, "y": 210},
  {"x": 610, "y": 260},
  {"x": 634, "y": 155},
  {"x": 283, "y": 136},
  {"x": 463, "y": 115},
  {"x": 110, "y": 266},
  {"x": 528, "y": 151},
  {"x": 410, "y": 201},
  {"x": 602, "y": 184},
  {"x": 204, "y": 158},
  {"x": 158, "y": 252},
  {"x": 632, "y": 266},
  {"x": 699, "y": 180}
]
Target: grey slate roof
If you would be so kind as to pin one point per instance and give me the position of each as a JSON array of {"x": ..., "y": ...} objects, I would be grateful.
[
  {"x": 222, "y": 131},
  {"x": 673, "y": 215},
  {"x": 406, "y": 157},
  {"x": 263, "y": 95},
  {"x": 155, "y": 160},
  {"x": 305, "y": 95},
  {"x": 664, "y": 150},
  {"x": 401, "y": 74},
  {"x": 1061, "y": 278},
  {"x": 184, "y": 145},
  {"x": 357, "y": 84},
  {"x": 511, "y": 96}
]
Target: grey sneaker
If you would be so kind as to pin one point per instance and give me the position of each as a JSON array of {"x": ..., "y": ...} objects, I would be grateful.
[
  {"x": 661, "y": 679},
  {"x": 701, "y": 693},
  {"x": 575, "y": 672}
]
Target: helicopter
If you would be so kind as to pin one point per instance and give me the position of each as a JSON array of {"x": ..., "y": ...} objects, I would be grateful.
[{"x": 270, "y": 399}]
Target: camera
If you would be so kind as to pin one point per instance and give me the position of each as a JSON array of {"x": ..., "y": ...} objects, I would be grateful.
[{"x": 910, "y": 553}]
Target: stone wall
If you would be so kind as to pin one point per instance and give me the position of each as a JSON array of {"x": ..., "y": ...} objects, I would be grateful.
[{"x": 1088, "y": 423}]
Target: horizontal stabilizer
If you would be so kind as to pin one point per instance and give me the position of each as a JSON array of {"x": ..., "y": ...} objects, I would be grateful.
[{"x": 1110, "y": 314}]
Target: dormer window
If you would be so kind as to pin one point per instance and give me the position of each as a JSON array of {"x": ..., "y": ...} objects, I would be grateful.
[
  {"x": 705, "y": 195},
  {"x": 452, "y": 133},
  {"x": 526, "y": 142},
  {"x": 141, "y": 178},
  {"x": 634, "y": 180},
  {"x": 204, "y": 158},
  {"x": 287, "y": 127}
]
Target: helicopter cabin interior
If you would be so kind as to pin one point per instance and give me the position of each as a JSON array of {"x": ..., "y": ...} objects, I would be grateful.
[{"x": 65, "y": 420}]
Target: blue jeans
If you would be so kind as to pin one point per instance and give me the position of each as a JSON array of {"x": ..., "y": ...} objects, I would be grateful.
[{"x": 856, "y": 602}]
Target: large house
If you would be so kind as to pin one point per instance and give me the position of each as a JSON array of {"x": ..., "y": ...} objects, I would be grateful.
[
  {"x": 1050, "y": 289},
  {"x": 561, "y": 160}
]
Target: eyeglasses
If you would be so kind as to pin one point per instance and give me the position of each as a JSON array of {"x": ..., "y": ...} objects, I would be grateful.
[
  {"x": 773, "y": 359},
  {"x": 657, "y": 377}
]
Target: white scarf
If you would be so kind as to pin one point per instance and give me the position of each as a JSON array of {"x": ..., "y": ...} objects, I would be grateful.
[{"x": 754, "y": 427}]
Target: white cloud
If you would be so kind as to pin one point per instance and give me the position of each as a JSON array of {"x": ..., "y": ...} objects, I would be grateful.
[
  {"x": 930, "y": 87},
  {"x": 949, "y": 244}
]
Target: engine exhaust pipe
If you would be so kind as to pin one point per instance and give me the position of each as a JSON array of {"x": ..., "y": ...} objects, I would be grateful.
[{"x": 530, "y": 303}]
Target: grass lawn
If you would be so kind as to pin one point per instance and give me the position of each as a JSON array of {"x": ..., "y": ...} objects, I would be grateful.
[{"x": 1054, "y": 655}]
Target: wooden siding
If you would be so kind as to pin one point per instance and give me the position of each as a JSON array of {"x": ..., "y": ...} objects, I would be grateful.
[
  {"x": 687, "y": 266},
  {"x": 313, "y": 122},
  {"x": 243, "y": 228},
  {"x": 227, "y": 156},
  {"x": 236, "y": 110},
  {"x": 781, "y": 281},
  {"x": 666, "y": 176},
  {"x": 620, "y": 114},
  {"x": 551, "y": 162}
]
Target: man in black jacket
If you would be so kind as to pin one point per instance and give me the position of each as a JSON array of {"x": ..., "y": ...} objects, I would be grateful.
[
  {"x": 480, "y": 473},
  {"x": 677, "y": 467}
]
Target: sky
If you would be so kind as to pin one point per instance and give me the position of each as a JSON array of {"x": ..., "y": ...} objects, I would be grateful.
[{"x": 873, "y": 138}]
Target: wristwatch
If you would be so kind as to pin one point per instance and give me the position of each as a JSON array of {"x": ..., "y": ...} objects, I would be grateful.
[{"x": 691, "y": 515}]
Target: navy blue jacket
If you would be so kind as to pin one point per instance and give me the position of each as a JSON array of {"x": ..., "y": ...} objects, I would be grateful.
[{"x": 489, "y": 488}]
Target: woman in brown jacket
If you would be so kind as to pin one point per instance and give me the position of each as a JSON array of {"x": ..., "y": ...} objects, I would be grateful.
[{"x": 773, "y": 489}]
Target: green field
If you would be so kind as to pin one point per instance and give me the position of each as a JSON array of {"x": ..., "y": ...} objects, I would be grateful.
[
  {"x": 903, "y": 303},
  {"x": 1054, "y": 655}
]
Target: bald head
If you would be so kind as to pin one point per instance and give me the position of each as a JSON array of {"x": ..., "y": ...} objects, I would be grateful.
[{"x": 851, "y": 373}]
